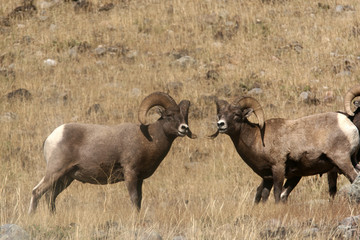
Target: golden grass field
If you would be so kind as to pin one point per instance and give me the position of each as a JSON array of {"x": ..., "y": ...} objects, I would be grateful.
[{"x": 202, "y": 189}]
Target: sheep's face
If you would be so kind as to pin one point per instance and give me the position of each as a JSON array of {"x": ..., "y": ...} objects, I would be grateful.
[
  {"x": 230, "y": 117},
  {"x": 175, "y": 120}
]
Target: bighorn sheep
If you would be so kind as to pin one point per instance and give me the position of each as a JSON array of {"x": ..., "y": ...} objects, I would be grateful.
[
  {"x": 278, "y": 148},
  {"x": 100, "y": 154},
  {"x": 355, "y": 118}
]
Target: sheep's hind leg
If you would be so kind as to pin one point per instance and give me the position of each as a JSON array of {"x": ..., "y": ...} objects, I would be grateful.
[
  {"x": 289, "y": 185},
  {"x": 59, "y": 186},
  {"x": 345, "y": 165},
  {"x": 278, "y": 172},
  {"x": 332, "y": 176},
  {"x": 43, "y": 186}
]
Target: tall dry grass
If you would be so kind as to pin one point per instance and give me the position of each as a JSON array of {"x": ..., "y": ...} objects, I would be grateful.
[{"x": 202, "y": 190}]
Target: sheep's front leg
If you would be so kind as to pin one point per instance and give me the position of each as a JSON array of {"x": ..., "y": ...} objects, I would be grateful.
[
  {"x": 278, "y": 172},
  {"x": 134, "y": 186},
  {"x": 263, "y": 190}
]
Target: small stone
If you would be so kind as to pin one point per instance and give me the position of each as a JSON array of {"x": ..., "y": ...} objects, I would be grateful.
[
  {"x": 339, "y": 8},
  {"x": 50, "y": 62},
  {"x": 53, "y": 27},
  {"x": 354, "y": 192},
  {"x": 212, "y": 74},
  {"x": 174, "y": 87},
  {"x": 255, "y": 91},
  {"x": 304, "y": 95},
  {"x": 12, "y": 231},
  {"x": 310, "y": 232},
  {"x": 106, "y": 7},
  {"x": 179, "y": 238},
  {"x": 135, "y": 92},
  {"x": 184, "y": 61},
  {"x": 96, "y": 108},
  {"x": 21, "y": 94},
  {"x": 132, "y": 54},
  {"x": 100, "y": 50},
  {"x": 329, "y": 97},
  {"x": 73, "y": 52},
  {"x": 8, "y": 117}
]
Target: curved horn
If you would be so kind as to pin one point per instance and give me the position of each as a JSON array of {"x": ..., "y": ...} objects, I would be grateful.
[
  {"x": 154, "y": 99},
  {"x": 350, "y": 95},
  {"x": 249, "y": 102}
]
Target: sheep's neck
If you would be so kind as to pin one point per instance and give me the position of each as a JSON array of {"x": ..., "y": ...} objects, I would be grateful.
[
  {"x": 159, "y": 146},
  {"x": 247, "y": 141}
]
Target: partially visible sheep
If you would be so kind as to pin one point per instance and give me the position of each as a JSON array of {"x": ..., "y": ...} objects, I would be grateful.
[
  {"x": 354, "y": 116},
  {"x": 100, "y": 154},
  {"x": 278, "y": 148}
]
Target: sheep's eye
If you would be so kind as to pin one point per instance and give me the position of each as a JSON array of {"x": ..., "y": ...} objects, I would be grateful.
[
  {"x": 237, "y": 117},
  {"x": 169, "y": 116}
]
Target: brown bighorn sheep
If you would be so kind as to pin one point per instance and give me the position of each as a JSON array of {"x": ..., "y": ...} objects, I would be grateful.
[
  {"x": 100, "y": 154},
  {"x": 279, "y": 148},
  {"x": 355, "y": 118}
]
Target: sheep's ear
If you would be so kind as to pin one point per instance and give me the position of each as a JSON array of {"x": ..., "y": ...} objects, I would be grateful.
[{"x": 247, "y": 112}]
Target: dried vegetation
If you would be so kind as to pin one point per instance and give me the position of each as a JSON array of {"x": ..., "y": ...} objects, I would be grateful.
[{"x": 93, "y": 61}]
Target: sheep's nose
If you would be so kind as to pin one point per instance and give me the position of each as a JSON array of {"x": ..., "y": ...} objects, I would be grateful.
[
  {"x": 184, "y": 127},
  {"x": 221, "y": 124}
]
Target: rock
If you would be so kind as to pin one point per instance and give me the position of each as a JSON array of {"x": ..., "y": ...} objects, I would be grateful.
[
  {"x": 73, "y": 52},
  {"x": 143, "y": 235},
  {"x": 12, "y": 231},
  {"x": 212, "y": 74},
  {"x": 174, "y": 87},
  {"x": 50, "y": 62},
  {"x": 354, "y": 192},
  {"x": 273, "y": 229},
  {"x": 255, "y": 91},
  {"x": 184, "y": 61},
  {"x": 304, "y": 95},
  {"x": 348, "y": 227},
  {"x": 329, "y": 97},
  {"x": 343, "y": 8},
  {"x": 135, "y": 92},
  {"x": 344, "y": 190},
  {"x": 310, "y": 232},
  {"x": 308, "y": 98},
  {"x": 53, "y": 27},
  {"x": 353, "y": 221},
  {"x": 100, "y": 50},
  {"x": 21, "y": 94},
  {"x": 8, "y": 117},
  {"x": 131, "y": 56},
  {"x": 179, "y": 238},
  {"x": 106, "y": 7},
  {"x": 96, "y": 108},
  {"x": 48, "y": 4}
]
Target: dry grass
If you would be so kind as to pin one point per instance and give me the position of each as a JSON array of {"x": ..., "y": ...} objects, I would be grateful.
[{"x": 202, "y": 190}]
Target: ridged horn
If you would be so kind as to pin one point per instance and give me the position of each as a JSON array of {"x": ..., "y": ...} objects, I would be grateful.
[
  {"x": 249, "y": 102},
  {"x": 350, "y": 95},
  {"x": 154, "y": 99}
]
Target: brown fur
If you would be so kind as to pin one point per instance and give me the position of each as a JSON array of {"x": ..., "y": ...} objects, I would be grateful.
[
  {"x": 290, "y": 148},
  {"x": 100, "y": 154}
]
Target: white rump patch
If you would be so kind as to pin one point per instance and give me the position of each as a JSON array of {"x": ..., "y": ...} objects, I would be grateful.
[
  {"x": 349, "y": 129},
  {"x": 52, "y": 141}
]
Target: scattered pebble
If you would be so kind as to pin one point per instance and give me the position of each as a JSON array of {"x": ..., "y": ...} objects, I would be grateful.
[{"x": 50, "y": 62}]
